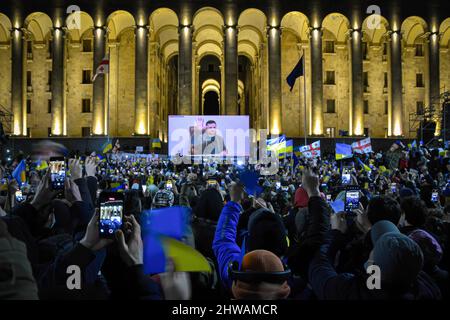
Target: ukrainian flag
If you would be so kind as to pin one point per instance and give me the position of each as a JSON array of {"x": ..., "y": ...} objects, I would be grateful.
[
  {"x": 364, "y": 166},
  {"x": 288, "y": 148},
  {"x": 343, "y": 151},
  {"x": 117, "y": 187},
  {"x": 41, "y": 165},
  {"x": 19, "y": 172},
  {"x": 107, "y": 146},
  {"x": 156, "y": 143},
  {"x": 277, "y": 145},
  {"x": 297, "y": 151}
]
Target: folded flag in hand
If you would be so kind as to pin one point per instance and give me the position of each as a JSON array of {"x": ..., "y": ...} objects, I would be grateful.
[{"x": 162, "y": 230}]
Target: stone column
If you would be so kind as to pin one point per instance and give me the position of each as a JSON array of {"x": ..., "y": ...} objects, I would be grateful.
[
  {"x": 17, "y": 81},
  {"x": 231, "y": 70},
  {"x": 356, "y": 66},
  {"x": 98, "y": 98},
  {"x": 395, "y": 84},
  {"x": 141, "y": 81},
  {"x": 316, "y": 81},
  {"x": 433, "y": 67},
  {"x": 58, "y": 116},
  {"x": 185, "y": 70},
  {"x": 274, "y": 61}
]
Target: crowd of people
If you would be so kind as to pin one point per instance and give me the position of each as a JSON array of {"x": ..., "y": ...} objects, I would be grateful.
[{"x": 285, "y": 240}]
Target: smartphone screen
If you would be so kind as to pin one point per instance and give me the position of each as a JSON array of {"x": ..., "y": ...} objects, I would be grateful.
[
  {"x": 111, "y": 213},
  {"x": 19, "y": 196},
  {"x": 345, "y": 178},
  {"x": 57, "y": 172},
  {"x": 393, "y": 187},
  {"x": 144, "y": 187},
  {"x": 169, "y": 184},
  {"x": 351, "y": 200},
  {"x": 434, "y": 196},
  {"x": 329, "y": 197},
  {"x": 278, "y": 185}
]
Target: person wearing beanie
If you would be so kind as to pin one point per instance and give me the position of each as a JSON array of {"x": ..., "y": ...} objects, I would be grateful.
[
  {"x": 16, "y": 275},
  {"x": 414, "y": 214},
  {"x": 260, "y": 261},
  {"x": 432, "y": 254},
  {"x": 399, "y": 258}
]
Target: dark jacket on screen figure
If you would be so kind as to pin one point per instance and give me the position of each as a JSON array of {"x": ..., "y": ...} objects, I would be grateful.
[{"x": 329, "y": 285}]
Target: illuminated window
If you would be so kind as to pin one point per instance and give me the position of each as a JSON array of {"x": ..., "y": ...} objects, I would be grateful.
[{"x": 330, "y": 132}]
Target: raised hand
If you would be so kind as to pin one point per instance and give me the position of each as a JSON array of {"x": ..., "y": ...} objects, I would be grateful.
[{"x": 132, "y": 250}]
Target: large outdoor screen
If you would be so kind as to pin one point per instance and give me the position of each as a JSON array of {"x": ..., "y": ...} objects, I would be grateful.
[{"x": 209, "y": 136}]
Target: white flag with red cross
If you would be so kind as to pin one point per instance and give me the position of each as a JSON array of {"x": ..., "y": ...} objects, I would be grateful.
[
  {"x": 103, "y": 67},
  {"x": 362, "y": 146}
]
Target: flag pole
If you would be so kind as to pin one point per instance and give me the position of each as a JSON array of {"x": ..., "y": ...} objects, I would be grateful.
[
  {"x": 304, "y": 94},
  {"x": 109, "y": 83}
]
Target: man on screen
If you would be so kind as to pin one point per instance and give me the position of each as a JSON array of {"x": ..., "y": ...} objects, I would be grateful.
[{"x": 211, "y": 142}]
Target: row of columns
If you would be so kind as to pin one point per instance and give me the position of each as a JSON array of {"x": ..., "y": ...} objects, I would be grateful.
[{"x": 185, "y": 79}]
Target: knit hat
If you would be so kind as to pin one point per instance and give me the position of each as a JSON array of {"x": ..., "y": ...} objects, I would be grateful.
[
  {"x": 261, "y": 261},
  {"x": 266, "y": 231},
  {"x": 406, "y": 192},
  {"x": 399, "y": 258},
  {"x": 301, "y": 198},
  {"x": 431, "y": 249},
  {"x": 163, "y": 198},
  {"x": 16, "y": 276}
]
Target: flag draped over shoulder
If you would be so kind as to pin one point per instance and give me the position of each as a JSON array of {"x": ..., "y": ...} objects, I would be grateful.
[
  {"x": 19, "y": 172},
  {"x": 362, "y": 146},
  {"x": 343, "y": 151},
  {"x": 311, "y": 150},
  {"x": 295, "y": 73},
  {"x": 102, "y": 68}
]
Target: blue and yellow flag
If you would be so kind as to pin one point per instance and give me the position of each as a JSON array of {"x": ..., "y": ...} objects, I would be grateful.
[
  {"x": 363, "y": 165},
  {"x": 106, "y": 147},
  {"x": 19, "y": 172},
  {"x": 288, "y": 148},
  {"x": 156, "y": 143},
  {"x": 41, "y": 165},
  {"x": 276, "y": 144},
  {"x": 343, "y": 151}
]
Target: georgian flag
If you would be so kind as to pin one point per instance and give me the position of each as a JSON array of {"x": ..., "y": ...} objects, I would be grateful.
[
  {"x": 362, "y": 146},
  {"x": 103, "y": 68},
  {"x": 311, "y": 150}
]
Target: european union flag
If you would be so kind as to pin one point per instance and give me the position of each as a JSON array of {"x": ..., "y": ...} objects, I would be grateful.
[{"x": 296, "y": 73}]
